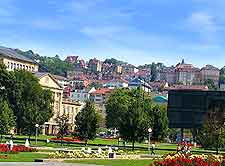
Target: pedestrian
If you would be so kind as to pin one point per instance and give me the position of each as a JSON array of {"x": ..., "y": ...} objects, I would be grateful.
[
  {"x": 11, "y": 145},
  {"x": 152, "y": 149}
]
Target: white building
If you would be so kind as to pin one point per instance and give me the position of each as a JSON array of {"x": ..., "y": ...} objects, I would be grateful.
[
  {"x": 136, "y": 83},
  {"x": 82, "y": 95},
  {"x": 118, "y": 83}
]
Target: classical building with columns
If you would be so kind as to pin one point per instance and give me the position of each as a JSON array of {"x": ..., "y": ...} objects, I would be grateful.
[{"x": 60, "y": 106}]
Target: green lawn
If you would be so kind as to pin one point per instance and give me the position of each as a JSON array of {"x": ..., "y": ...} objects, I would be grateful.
[
  {"x": 114, "y": 162},
  {"x": 23, "y": 157}
]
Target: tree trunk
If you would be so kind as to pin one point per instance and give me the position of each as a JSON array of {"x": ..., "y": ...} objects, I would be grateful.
[
  {"x": 133, "y": 145},
  {"x": 86, "y": 141},
  {"x": 61, "y": 141},
  {"x": 217, "y": 145}
]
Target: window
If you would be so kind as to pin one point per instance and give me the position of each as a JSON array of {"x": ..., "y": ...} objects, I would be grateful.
[
  {"x": 8, "y": 65},
  {"x": 11, "y": 65}
]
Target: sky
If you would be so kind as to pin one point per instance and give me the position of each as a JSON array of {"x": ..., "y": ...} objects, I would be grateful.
[{"x": 136, "y": 31}]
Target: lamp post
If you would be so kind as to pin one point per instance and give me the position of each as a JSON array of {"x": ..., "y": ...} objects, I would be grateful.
[
  {"x": 149, "y": 138},
  {"x": 36, "y": 126}
]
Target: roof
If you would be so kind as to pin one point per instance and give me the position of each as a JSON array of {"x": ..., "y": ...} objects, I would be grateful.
[
  {"x": 42, "y": 74},
  {"x": 59, "y": 77},
  {"x": 160, "y": 99},
  {"x": 11, "y": 53},
  {"x": 188, "y": 87},
  {"x": 102, "y": 91},
  {"x": 210, "y": 67},
  {"x": 138, "y": 82}
]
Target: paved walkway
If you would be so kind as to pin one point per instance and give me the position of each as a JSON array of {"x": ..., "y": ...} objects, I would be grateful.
[{"x": 42, "y": 164}]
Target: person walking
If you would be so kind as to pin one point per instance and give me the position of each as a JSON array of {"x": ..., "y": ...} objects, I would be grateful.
[
  {"x": 11, "y": 145},
  {"x": 152, "y": 149}
]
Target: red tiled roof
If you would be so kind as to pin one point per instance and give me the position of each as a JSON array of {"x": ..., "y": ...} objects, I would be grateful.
[{"x": 102, "y": 91}]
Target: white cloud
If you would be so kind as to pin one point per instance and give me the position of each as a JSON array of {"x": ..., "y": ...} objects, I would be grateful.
[{"x": 202, "y": 22}]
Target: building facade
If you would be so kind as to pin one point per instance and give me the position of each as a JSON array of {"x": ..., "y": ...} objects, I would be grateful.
[
  {"x": 14, "y": 61},
  {"x": 95, "y": 65},
  {"x": 60, "y": 105},
  {"x": 210, "y": 72},
  {"x": 71, "y": 109}
]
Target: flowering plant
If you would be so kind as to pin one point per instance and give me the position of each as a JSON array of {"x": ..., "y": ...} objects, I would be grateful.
[
  {"x": 16, "y": 149},
  {"x": 184, "y": 148},
  {"x": 191, "y": 160},
  {"x": 67, "y": 139}
]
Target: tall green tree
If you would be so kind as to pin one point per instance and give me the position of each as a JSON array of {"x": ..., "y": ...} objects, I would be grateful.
[
  {"x": 87, "y": 122},
  {"x": 63, "y": 125},
  {"x": 126, "y": 111},
  {"x": 116, "y": 104},
  {"x": 7, "y": 118},
  {"x": 132, "y": 112},
  {"x": 30, "y": 103},
  {"x": 133, "y": 125},
  {"x": 160, "y": 122}
]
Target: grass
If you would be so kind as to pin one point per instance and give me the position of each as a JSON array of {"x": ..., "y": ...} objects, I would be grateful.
[
  {"x": 113, "y": 162},
  {"x": 23, "y": 157}
]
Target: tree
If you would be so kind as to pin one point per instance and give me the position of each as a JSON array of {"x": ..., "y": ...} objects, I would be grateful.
[
  {"x": 153, "y": 72},
  {"x": 133, "y": 125},
  {"x": 126, "y": 111},
  {"x": 87, "y": 122},
  {"x": 222, "y": 79},
  {"x": 30, "y": 103},
  {"x": 132, "y": 112},
  {"x": 63, "y": 125},
  {"x": 160, "y": 124},
  {"x": 117, "y": 103},
  {"x": 7, "y": 118},
  {"x": 211, "y": 85},
  {"x": 54, "y": 65},
  {"x": 209, "y": 135}
]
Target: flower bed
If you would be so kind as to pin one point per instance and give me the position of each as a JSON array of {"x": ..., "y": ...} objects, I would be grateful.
[
  {"x": 67, "y": 139},
  {"x": 16, "y": 149},
  {"x": 79, "y": 154},
  {"x": 191, "y": 160}
]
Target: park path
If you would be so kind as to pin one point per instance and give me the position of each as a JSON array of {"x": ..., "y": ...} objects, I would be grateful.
[{"x": 42, "y": 164}]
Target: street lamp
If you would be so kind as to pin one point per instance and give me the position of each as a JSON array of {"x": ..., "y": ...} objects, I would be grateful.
[
  {"x": 149, "y": 138},
  {"x": 36, "y": 126}
]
